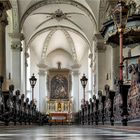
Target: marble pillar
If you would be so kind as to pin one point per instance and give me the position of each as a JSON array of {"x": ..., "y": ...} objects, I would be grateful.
[
  {"x": 42, "y": 88},
  {"x": 4, "y": 6},
  {"x": 75, "y": 87},
  {"x": 16, "y": 47}
]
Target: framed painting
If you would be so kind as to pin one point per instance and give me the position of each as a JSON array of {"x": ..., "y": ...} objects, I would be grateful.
[{"x": 59, "y": 84}]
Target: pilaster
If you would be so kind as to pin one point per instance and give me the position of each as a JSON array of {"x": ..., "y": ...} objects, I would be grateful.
[
  {"x": 100, "y": 62},
  {"x": 42, "y": 87},
  {"x": 16, "y": 47},
  {"x": 75, "y": 87}
]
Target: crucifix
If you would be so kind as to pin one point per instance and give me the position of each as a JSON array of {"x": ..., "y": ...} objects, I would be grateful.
[{"x": 59, "y": 65}]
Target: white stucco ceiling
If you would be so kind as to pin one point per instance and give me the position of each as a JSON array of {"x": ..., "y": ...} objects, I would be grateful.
[{"x": 50, "y": 25}]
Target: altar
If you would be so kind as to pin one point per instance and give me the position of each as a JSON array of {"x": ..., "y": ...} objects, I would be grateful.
[
  {"x": 59, "y": 111},
  {"x": 59, "y": 101}
]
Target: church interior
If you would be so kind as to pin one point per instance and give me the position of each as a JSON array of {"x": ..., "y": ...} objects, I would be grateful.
[{"x": 69, "y": 65}]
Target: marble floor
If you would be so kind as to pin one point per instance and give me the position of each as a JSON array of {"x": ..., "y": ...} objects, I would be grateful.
[{"x": 64, "y": 133}]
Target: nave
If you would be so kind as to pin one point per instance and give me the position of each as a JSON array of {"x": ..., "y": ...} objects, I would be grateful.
[{"x": 71, "y": 132}]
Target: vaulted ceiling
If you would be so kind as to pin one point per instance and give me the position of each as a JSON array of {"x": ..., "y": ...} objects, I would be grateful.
[{"x": 67, "y": 25}]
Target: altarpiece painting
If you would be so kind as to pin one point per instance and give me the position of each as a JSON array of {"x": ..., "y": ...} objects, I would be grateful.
[{"x": 59, "y": 84}]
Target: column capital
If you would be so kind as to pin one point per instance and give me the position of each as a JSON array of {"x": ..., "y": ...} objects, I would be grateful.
[
  {"x": 17, "y": 36},
  {"x": 99, "y": 42},
  {"x": 76, "y": 66},
  {"x": 75, "y": 69},
  {"x": 16, "y": 46},
  {"x": 42, "y": 68},
  {"x": 16, "y": 40}
]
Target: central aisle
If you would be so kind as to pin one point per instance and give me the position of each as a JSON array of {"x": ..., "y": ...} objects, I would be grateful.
[{"x": 64, "y": 133}]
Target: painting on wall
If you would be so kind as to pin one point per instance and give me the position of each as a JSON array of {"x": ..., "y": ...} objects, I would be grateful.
[
  {"x": 59, "y": 84},
  {"x": 59, "y": 87}
]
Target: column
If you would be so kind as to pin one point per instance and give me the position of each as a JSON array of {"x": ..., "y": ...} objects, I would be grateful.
[
  {"x": 115, "y": 66},
  {"x": 16, "y": 47},
  {"x": 42, "y": 87},
  {"x": 75, "y": 87},
  {"x": 4, "y": 5},
  {"x": 100, "y": 62}
]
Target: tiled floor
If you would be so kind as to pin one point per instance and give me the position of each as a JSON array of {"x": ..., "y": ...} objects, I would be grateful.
[{"x": 64, "y": 133}]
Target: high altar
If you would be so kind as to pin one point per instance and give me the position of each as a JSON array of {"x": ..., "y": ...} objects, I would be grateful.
[{"x": 59, "y": 102}]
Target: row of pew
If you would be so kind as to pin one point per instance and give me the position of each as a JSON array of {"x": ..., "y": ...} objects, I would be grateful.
[
  {"x": 97, "y": 111},
  {"x": 16, "y": 109}
]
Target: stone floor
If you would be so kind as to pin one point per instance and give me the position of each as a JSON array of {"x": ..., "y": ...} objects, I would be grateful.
[{"x": 65, "y": 133}]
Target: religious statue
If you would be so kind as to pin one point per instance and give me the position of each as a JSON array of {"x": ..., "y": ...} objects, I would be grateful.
[
  {"x": 59, "y": 107},
  {"x": 134, "y": 69},
  {"x": 9, "y": 102}
]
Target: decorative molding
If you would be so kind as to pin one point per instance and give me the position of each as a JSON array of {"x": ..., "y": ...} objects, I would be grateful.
[
  {"x": 16, "y": 46},
  {"x": 42, "y": 66},
  {"x": 75, "y": 66},
  {"x": 99, "y": 42},
  {"x": 46, "y": 43},
  {"x": 58, "y": 15},
  {"x": 26, "y": 55},
  {"x": 16, "y": 35},
  {"x": 16, "y": 41},
  {"x": 15, "y": 15},
  {"x": 72, "y": 45}
]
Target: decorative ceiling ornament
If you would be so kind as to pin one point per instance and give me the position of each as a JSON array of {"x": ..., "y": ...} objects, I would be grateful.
[{"x": 58, "y": 15}]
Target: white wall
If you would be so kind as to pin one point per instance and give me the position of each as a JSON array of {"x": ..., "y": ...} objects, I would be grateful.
[{"x": 59, "y": 55}]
